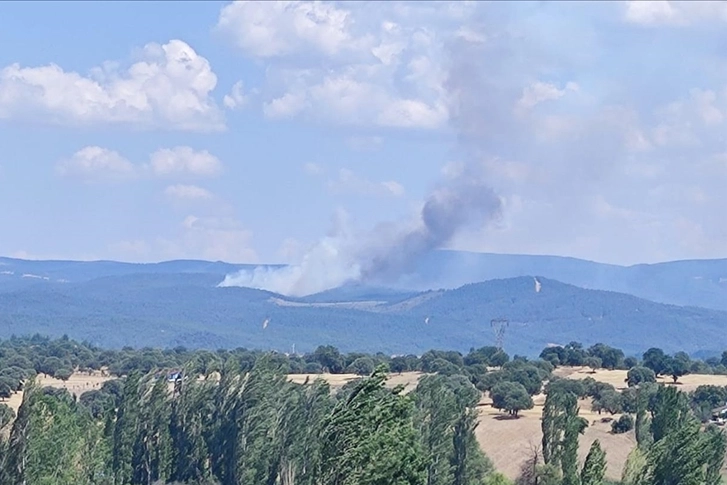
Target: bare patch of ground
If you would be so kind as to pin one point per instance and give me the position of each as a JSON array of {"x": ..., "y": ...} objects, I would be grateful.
[
  {"x": 408, "y": 379},
  {"x": 511, "y": 442},
  {"x": 77, "y": 384},
  {"x": 617, "y": 378},
  {"x": 354, "y": 305}
]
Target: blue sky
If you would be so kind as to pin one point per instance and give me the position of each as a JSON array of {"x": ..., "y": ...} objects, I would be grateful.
[{"x": 248, "y": 132}]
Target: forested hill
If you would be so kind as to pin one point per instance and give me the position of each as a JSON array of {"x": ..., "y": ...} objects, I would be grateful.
[
  {"x": 693, "y": 283},
  {"x": 186, "y": 308}
]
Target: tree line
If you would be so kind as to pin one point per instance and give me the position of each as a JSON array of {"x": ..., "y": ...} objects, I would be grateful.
[
  {"x": 233, "y": 417},
  {"x": 234, "y": 426}
]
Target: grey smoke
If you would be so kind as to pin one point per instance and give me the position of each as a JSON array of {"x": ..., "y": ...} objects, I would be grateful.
[
  {"x": 388, "y": 251},
  {"x": 465, "y": 200}
]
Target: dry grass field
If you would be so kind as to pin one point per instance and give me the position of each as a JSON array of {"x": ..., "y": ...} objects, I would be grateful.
[
  {"x": 408, "y": 379},
  {"x": 77, "y": 384},
  {"x": 510, "y": 442},
  {"x": 617, "y": 378}
]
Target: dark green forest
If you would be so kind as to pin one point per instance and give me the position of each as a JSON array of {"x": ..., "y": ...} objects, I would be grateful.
[{"x": 233, "y": 417}]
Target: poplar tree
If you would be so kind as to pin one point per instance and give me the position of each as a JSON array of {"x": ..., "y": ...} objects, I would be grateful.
[{"x": 594, "y": 468}]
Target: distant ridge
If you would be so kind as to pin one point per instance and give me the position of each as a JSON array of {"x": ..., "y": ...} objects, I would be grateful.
[{"x": 179, "y": 303}]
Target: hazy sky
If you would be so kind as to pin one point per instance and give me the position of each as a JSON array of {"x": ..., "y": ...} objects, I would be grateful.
[{"x": 245, "y": 132}]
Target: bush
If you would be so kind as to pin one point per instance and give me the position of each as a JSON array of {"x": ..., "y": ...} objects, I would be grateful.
[{"x": 624, "y": 424}]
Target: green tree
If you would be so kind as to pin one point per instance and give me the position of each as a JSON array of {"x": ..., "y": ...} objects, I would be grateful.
[
  {"x": 624, "y": 424},
  {"x": 638, "y": 375},
  {"x": 6, "y": 416},
  {"x": 715, "y": 447},
  {"x": 677, "y": 366},
  {"x": 498, "y": 359},
  {"x": 497, "y": 479},
  {"x": 329, "y": 358},
  {"x": 5, "y": 390},
  {"x": 655, "y": 359},
  {"x": 681, "y": 453},
  {"x": 594, "y": 363},
  {"x": 594, "y": 468},
  {"x": 561, "y": 426},
  {"x": 369, "y": 438},
  {"x": 511, "y": 397},
  {"x": 610, "y": 401},
  {"x": 362, "y": 366}
]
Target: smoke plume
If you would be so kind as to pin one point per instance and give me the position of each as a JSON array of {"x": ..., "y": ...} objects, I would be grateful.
[{"x": 389, "y": 250}]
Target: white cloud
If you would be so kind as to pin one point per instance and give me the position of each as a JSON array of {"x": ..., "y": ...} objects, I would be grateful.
[
  {"x": 187, "y": 192},
  {"x": 539, "y": 92},
  {"x": 237, "y": 98},
  {"x": 348, "y": 182},
  {"x": 347, "y": 63},
  {"x": 273, "y": 29},
  {"x": 183, "y": 159},
  {"x": 95, "y": 163},
  {"x": 674, "y": 13},
  {"x": 169, "y": 87},
  {"x": 652, "y": 12},
  {"x": 286, "y": 106}
]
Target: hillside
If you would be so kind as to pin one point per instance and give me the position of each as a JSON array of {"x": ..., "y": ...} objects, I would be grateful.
[
  {"x": 700, "y": 283},
  {"x": 186, "y": 308},
  {"x": 694, "y": 282}
]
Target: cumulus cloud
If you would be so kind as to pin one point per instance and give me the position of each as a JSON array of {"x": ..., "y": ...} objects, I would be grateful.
[
  {"x": 95, "y": 163},
  {"x": 383, "y": 66},
  {"x": 237, "y": 98},
  {"x": 538, "y": 92},
  {"x": 276, "y": 29},
  {"x": 184, "y": 160},
  {"x": 187, "y": 192},
  {"x": 169, "y": 87}
]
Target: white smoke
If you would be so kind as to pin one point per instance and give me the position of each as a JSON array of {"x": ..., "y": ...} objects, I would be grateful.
[
  {"x": 388, "y": 251},
  {"x": 325, "y": 266}
]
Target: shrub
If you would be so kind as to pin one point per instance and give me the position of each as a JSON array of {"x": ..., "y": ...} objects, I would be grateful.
[{"x": 624, "y": 424}]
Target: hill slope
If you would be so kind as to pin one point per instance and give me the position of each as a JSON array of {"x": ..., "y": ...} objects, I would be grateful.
[
  {"x": 695, "y": 282},
  {"x": 168, "y": 309}
]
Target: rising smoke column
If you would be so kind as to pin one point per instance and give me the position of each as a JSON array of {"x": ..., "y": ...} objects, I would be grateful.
[{"x": 386, "y": 252}]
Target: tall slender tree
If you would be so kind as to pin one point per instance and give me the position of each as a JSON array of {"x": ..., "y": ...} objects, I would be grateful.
[{"x": 594, "y": 468}]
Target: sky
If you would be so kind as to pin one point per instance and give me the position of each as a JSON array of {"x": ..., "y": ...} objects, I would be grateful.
[{"x": 247, "y": 132}]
